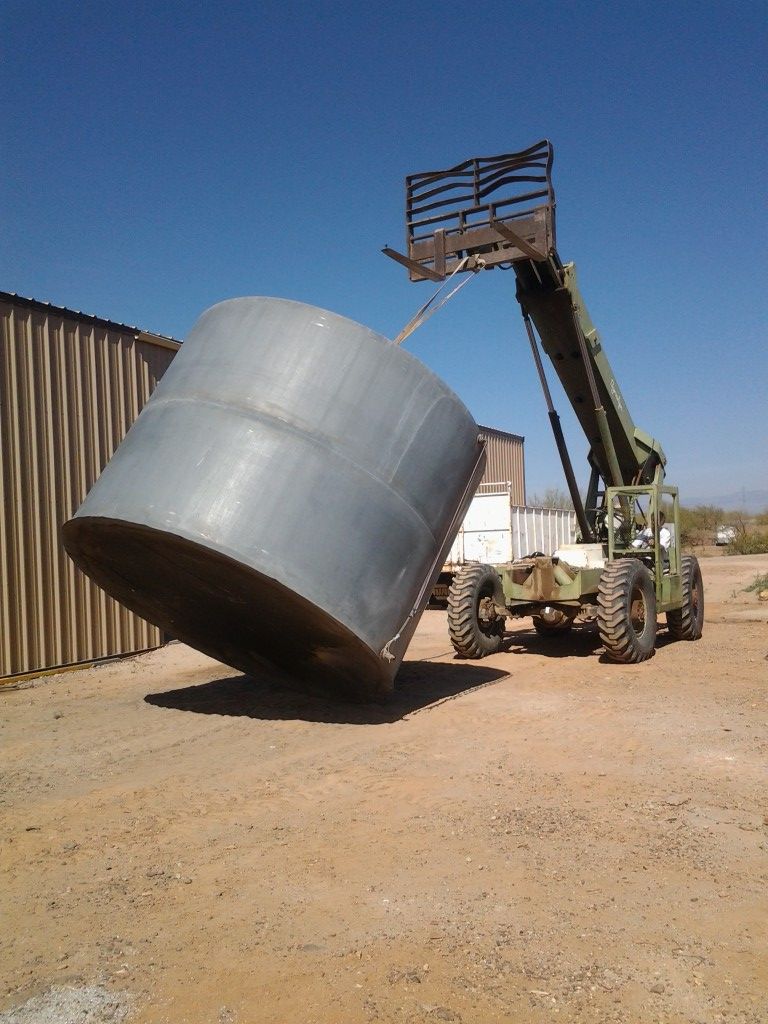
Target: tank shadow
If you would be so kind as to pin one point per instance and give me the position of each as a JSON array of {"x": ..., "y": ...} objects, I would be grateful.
[{"x": 419, "y": 685}]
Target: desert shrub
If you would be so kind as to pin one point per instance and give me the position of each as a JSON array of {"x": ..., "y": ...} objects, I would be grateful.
[
  {"x": 553, "y": 497},
  {"x": 759, "y": 582},
  {"x": 749, "y": 544},
  {"x": 698, "y": 525}
]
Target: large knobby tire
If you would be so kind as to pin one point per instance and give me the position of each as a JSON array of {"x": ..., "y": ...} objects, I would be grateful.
[
  {"x": 687, "y": 622},
  {"x": 475, "y": 628},
  {"x": 626, "y": 611}
]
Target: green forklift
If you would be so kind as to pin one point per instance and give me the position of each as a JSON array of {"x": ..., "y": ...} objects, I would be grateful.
[{"x": 499, "y": 213}]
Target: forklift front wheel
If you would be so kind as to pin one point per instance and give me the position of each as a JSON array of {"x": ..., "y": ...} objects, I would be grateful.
[
  {"x": 687, "y": 622},
  {"x": 626, "y": 611},
  {"x": 475, "y": 626}
]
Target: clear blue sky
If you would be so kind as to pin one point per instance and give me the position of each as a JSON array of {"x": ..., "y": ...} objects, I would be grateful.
[{"x": 160, "y": 157}]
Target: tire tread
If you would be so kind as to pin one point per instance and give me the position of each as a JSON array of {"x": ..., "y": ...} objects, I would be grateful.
[
  {"x": 617, "y": 581},
  {"x": 468, "y": 640},
  {"x": 686, "y": 622}
]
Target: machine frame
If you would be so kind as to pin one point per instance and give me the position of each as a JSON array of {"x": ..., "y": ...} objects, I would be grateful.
[{"x": 499, "y": 213}]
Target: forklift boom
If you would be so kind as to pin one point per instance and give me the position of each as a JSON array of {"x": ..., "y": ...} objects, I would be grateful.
[{"x": 502, "y": 209}]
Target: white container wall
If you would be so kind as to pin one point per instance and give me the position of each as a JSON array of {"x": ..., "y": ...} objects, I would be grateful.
[{"x": 495, "y": 531}]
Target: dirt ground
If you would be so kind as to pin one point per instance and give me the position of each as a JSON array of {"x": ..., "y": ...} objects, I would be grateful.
[{"x": 539, "y": 836}]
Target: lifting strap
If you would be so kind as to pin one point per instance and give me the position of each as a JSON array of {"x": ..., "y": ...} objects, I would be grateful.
[{"x": 473, "y": 263}]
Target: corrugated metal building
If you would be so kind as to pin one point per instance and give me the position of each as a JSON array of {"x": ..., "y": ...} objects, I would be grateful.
[
  {"x": 70, "y": 387},
  {"x": 505, "y": 464}
]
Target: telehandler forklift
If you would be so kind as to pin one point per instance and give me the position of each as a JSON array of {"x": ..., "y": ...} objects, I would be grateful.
[{"x": 499, "y": 213}]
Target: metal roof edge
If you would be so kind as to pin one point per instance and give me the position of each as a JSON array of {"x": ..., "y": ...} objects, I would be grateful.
[
  {"x": 503, "y": 433},
  {"x": 151, "y": 337}
]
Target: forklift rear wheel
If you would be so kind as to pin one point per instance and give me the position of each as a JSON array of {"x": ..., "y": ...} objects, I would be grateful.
[
  {"x": 687, "y": 622},
  {"x": 626, "y": 611},
  {"x": 475, "y": 627}
]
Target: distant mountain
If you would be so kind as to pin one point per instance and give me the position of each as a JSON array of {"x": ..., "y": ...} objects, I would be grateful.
[{"x": 746, "y": 501}]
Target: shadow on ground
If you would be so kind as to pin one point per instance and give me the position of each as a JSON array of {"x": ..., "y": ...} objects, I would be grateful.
[
  {"x": 580, "y": 642},
  {"x": 419, "y": 685}
]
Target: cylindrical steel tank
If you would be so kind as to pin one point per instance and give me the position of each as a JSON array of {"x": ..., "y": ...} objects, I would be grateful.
[{"x": 286, "y": 496}]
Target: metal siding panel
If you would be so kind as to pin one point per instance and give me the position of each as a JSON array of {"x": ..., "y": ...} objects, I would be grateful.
[
  {"x": 541, "y": 529},
  {"x": 63, "y": 456},
  {"x": 43, "y": 544},
  {"x": 505, "y": 463},
  {"x": 69, "y": 390},
  {"x": 59, "y": 455},
  {"x": 10, "y": 626}
]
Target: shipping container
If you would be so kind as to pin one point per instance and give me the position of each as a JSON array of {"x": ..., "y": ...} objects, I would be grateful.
[
  {"x": 496, "y": 530},
  {"x": 70, "y": 387}
]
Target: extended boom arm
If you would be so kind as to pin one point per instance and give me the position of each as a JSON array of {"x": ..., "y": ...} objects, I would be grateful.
[
  {"x": 468, "y": 211},
  {"x": 619, "y": 451}
]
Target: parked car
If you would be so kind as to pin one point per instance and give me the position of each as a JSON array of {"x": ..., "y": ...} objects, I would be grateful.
[{"x": 725, "y": 534}]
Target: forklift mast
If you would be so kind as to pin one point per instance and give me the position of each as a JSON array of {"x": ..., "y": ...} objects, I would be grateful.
[{"x": 490, "y": 212}]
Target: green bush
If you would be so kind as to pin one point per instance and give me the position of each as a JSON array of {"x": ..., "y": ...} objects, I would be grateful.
[
  {"x": 698, "y": 525},
  {"x": 553, "y": 497},
  {"x": 749, "y": 544},
  {"x": 758, "y": 583}
]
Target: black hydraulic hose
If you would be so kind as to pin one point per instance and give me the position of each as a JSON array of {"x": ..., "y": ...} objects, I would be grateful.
[
  {"x": 557, "y": 430},
  {"x": 600, "y": 413}
]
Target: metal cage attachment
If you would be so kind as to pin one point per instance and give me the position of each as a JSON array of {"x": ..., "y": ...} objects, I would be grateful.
[{"x": 500, "y": 207}]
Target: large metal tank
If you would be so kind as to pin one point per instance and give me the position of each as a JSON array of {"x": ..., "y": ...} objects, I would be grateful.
[{"x": 286, "y": 497}]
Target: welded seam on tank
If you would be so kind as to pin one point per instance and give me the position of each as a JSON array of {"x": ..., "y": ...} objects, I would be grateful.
[{"x": 293, "y": 428}]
